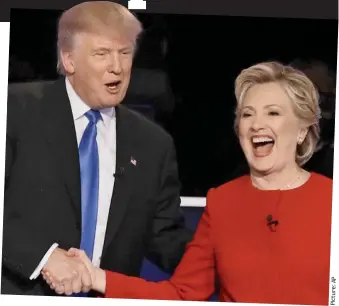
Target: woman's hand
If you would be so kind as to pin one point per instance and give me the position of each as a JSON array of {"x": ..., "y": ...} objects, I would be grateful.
[
  {"x": 98, "y": 275},
  {"x": 80, "y": 254}
]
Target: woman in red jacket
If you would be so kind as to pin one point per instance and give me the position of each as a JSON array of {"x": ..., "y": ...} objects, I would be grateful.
[{"x": 266, "y": 235}]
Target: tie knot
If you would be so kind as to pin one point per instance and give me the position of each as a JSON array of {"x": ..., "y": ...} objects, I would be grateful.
[{"x": 93, "y": 116}]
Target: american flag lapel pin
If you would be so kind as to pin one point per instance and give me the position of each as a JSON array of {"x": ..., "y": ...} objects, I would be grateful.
[{"x": 133, "y": 161}]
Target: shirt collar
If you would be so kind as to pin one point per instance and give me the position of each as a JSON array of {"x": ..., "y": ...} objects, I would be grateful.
[{"x": 79, "y": 107}]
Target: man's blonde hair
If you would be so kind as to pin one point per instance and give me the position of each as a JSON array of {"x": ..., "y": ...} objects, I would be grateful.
[
  {"x": 299, "y": 88},
  {"x": 95, "y": 17}
]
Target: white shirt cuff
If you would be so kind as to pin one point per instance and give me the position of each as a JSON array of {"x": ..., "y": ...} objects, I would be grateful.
[{"x": 43, "y": 261}]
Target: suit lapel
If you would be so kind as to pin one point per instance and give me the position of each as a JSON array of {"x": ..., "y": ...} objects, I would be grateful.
[
  {"x": 123, "y": 182},
  {"x": 61, "y": 137}
]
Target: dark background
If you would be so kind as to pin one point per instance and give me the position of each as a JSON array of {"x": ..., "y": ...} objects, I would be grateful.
[{"x": 317, "y": 9}]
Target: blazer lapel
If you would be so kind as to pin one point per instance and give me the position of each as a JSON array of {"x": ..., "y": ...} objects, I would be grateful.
[
  {"x": 61, "y": 136},
  {"x": 125, "y": 172}
]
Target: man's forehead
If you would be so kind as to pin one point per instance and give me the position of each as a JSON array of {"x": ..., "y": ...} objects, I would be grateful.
[{"x": 108, "y": 39}]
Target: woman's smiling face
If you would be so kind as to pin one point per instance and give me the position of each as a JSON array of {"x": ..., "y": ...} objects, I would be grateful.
[{"x": 268, "y": 128}]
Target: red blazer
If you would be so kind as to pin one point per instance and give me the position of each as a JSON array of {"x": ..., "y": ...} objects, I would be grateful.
[{"x": 254, "y": 264}]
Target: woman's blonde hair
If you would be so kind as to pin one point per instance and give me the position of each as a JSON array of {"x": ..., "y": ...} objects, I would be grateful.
[
  {"x": 299, "y": 88},
  {"x": 95, "y": 17}
]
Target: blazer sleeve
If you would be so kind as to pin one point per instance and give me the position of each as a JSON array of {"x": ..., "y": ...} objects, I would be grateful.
[
  {"x": 193, "y": 280},
  {"x": 23, "y": 247},
  {"x": 170, "y": 235}
]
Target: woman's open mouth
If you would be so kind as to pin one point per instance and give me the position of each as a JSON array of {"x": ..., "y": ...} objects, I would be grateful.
[{"x": 262, "y": 145}]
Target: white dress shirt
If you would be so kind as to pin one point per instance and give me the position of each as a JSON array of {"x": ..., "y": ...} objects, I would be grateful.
[{"x": 106, "y": 140}]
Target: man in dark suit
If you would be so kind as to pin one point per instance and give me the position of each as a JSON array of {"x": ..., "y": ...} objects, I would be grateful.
[{"x": 83, "y": 170}]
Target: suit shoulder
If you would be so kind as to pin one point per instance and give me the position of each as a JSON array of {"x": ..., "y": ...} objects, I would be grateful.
[
  {"x": 321, "y": 181},
  {"x": 226, "y": 198},
  {"x": 144, "y": 127},
  {"x": 23, "y": 96},
  {"x": 229, "y": 189},
  {"x": 23, "y": 102},
  {"x": 29, "y": 90},
  {"x": 234, "y": 185}
]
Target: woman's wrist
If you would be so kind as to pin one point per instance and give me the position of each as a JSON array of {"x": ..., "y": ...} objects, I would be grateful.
[{"x": 99, "y": 283}]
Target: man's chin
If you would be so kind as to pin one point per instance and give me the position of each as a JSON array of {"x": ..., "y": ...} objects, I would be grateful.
[{"x": 108, "y": 103}]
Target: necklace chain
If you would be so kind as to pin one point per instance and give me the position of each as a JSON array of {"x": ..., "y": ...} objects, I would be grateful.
[{"x": 290, "y": 184}]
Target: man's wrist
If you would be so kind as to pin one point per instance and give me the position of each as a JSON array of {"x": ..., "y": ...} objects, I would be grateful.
[{"x": 43, "y": 261}]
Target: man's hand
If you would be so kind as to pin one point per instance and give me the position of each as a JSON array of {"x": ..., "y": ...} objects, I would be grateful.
[
  {"x": 81, "y": 255},
  {"x": 98, "y": 275},
  {"x": 66, "y": 274}
]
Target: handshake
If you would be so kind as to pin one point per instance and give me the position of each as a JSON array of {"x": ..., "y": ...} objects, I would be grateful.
[{"x": 72, "y": 272}]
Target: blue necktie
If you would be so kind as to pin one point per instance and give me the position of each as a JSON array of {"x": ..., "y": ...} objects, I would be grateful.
[{"x": 89, "y": 174}]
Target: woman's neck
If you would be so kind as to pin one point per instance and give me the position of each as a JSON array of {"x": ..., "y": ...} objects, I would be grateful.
[{"x": 287, "y": 178}]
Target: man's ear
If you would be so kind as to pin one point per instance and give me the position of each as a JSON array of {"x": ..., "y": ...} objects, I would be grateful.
[{"x": 67, "y": 61}]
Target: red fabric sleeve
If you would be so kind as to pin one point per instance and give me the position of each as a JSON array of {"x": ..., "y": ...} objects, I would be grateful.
[{"x": 194, "y": 278}]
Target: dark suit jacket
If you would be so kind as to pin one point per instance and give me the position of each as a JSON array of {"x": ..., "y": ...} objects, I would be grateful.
[{"x": 42, "y": 192}]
